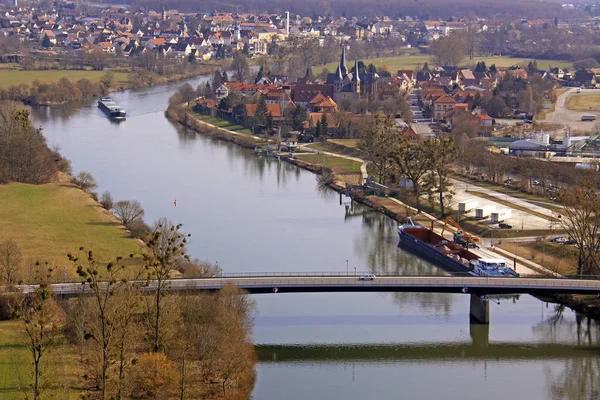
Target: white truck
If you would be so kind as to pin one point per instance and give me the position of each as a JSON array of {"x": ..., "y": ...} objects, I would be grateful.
[
  {"x": 484, "y": 212},
  {"x": 501, "y": 215},
  {"x": 468, "y": 205}
]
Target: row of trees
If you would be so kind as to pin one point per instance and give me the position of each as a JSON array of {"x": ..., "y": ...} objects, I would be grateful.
[
  {"x": 24, "y": 155},
  {"x": 152, "y": 346},
  {"x": 409, "y": 162},
  {"x": 60, "y": 92}
]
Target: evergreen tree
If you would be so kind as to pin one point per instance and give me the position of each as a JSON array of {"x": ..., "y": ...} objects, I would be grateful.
[
  {"x": 481, "y": 67},
  {"x": 260, "y": 116},
  {"x": 493, "y": 69},
  {"x": 217, "y": 80},
  {"x": 46, "y": 42},
  {"x": 225, "y": 77},
  {"x": 298, "y": 118},
  {"x": 309, "y": 74},
  {"x": 269, "y": 123},
  {"x": 426, "y": 67},
  {"x": 324, "y": 124},
  {"x": 318, "y": 129}
]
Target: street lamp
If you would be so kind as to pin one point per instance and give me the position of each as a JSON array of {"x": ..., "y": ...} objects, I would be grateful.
[
  {"x": 354, "y": 271},
  {"x": 347, "y": 267}
]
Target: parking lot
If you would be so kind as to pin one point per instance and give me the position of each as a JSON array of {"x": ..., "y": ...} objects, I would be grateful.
[{"x": 519, "y": 220}]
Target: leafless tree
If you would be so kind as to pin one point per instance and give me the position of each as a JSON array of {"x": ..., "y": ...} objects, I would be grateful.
[
  {"x": 165, "y": 251},
  {"x": 85, "y": 181},
  {"x": 10, "y": 261},
  {"x": 200, "y": 269},
  {"x": 105, "y": 311},
  {"x": 42, "y": 321},
  {"x": 128, "y": 211},
  {"x": 580, "y": 218},
  {"x": 107, "y": 201}
]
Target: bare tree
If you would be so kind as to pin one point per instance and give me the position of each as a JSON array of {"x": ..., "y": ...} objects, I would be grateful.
[
  {"x": 580, "y": 218},
  {"x": 42, "y": 321},
  {"x": 10, "y": 261},
  {"x": 165, "y": 251},
  {"x": 128, "y": 211},
  {"x": 413, "y": 162},
  {"x": 240, "y": 68},
  {"x": 376, "y": 138},
  {"x": 107, "y": 201},
  {"x": 85, "y": 181},
  {"x": 442, "y": 154},
  {"x": 200, "y": 269},
  {"x": 104, "y": 311}
]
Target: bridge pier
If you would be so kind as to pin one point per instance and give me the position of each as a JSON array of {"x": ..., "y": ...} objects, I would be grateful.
[
  {"x": 480, "y": 334},
  {"x": 479, "y": 311}
]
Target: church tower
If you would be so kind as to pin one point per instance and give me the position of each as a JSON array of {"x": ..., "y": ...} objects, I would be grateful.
[{"x": 356, "y": 78}]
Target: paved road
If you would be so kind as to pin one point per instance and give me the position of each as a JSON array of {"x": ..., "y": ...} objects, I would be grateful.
[
  {"x": 572, "y": 119},
  {"x": 437, "y": 284}
]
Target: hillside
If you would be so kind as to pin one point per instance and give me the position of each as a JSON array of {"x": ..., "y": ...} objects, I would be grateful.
[{"x": 49, "y": 221}]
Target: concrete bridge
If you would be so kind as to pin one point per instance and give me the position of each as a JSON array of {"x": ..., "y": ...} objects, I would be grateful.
[{"x": 477, "y": 287}]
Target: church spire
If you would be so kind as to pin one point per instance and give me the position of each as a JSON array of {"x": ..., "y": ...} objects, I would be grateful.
[
  {"x": 355, "y": 77},
  {"x": 343, "y": 66}
]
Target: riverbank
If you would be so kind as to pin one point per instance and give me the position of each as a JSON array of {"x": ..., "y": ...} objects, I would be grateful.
[{"x": 53, "y": 90}]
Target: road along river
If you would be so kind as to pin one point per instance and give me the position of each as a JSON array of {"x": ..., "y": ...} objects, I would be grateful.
[{"x": 252, "y": 214}]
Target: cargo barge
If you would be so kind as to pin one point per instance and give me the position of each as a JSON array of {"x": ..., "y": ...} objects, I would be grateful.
[
  {"x": 448, "y": 255},
  {"x": 111, "y": 108}
]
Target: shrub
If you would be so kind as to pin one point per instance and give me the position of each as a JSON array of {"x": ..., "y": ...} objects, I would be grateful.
[{"x": 106, "y": 200}]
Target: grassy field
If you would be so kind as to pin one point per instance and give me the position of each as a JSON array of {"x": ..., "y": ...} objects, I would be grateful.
[
  {"x": 14, "y": 365},
  {"x": 10, "y": 78},
  {"x": 221, "y": 123},
  {"x": 352, "y": 143},
  {"x": 583, "y": 102},
  {"x": 50, "y": 221},
  {"x": 412, "y": 62},
  {"x": 339, "y": 165}
]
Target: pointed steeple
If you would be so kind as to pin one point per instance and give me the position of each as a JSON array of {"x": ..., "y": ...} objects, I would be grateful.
[
  {"x": 339, "y": 76},
  {"x": 355, "y": 77},
  {"x": 343, "y": 66}
]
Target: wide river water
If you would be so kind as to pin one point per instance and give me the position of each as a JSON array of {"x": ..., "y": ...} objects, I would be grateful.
[{"x": 252, "y": 214}]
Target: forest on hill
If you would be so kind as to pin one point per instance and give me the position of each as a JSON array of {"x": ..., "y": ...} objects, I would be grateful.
[{"x": 424, "y": 9}]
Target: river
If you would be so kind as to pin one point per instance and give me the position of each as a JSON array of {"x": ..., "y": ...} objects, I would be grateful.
[{"x": 252, "y": 214}]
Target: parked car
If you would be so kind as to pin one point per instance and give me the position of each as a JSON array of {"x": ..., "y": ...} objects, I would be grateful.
[
  {"x": 366, "y": 277},
  {"x": 559, "y": 240},
  {"x": 504, "y": 225},
  {"x": 570, "y": 241}
]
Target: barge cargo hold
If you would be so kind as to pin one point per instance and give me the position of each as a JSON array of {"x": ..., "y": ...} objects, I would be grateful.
[
  {"x": 111, "y": 109},
  {"x": 448, "y": 255}
]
